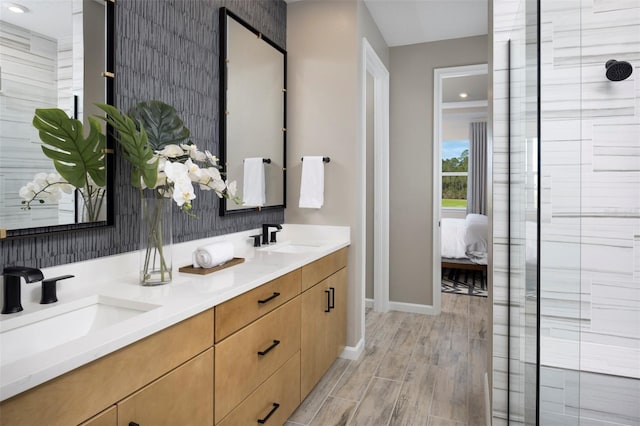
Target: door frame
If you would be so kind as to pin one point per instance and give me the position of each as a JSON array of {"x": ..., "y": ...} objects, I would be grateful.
[{"x": 372, "y": 64}]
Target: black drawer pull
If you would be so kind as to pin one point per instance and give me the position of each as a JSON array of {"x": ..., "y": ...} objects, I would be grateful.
[
  {"x": 273, "y": 410},
  {"x": 133, "y": 424},
  {"x": 328, "y": 301},
  {"x": 266, "y": 351},
  {"x": 332, "y": 305},
  {"x": 275, "y": 294}
]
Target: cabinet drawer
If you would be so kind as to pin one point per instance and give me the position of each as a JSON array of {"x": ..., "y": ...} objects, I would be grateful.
[
  {"x": 282, "y": 389},
  {"x": 108, "y": 417},
  {"x": 239, "y": 368},
  {"x": 182, "y": 397},
  {"x": 317, "y": 271},
  {"x": 79, "y": 394},
  {"x": 242, "y": 310}
]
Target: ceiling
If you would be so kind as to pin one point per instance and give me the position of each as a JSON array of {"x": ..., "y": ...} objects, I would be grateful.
[
  {"x": 403, "y": 22},
  {"x": 475, "y": 86},
  {"x": 51, "y": 18}
]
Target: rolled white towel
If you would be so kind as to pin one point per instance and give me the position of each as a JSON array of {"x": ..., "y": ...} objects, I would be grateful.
[{"x": 212, "y": 255}]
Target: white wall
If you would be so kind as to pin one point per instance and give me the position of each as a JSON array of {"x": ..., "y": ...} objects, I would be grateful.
[
  {"x": 323, "y": 116},
  {"x": 322, "y": 119}
]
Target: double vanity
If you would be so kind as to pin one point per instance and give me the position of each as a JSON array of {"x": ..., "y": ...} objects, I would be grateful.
[{"x": 243, "y": 345}]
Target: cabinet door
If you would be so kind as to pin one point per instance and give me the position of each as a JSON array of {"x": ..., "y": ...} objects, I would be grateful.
[
  {"x": 182, "y": 397},
  {"x": 339, "y": 312},
  {"x": 108, "y": 417},
  {"x": 317, "y": 344}
]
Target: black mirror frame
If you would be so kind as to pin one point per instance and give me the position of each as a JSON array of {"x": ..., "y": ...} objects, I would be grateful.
[
  {"x": 222, "y": 95},
  {"x": 109, "y": 156}
]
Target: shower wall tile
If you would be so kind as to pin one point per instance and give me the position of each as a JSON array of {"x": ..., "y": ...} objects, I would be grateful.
[
  {"x": 587, "y": 398},
  {"x": 166, "y": 50},
  {"x": 591, "y": 148},
  {"x": 616, "y": 148},
  {"x": 636, "y": 256},
  {"x": 614, "y": 5}
]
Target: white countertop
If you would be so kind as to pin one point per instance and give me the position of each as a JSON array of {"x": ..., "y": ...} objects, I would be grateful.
[{"x": 186, "y": 296}]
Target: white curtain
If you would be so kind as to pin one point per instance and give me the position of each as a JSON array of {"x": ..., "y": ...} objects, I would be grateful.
[{"x": 477, "y": 179}]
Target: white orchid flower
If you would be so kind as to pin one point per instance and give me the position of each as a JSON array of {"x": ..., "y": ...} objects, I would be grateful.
[
  {"x": 26, "y": 192},
  {"x": 183, "y": 194},
  {"x": 195, "y": 172},
  {"x": 212, "y": 158},
  {"x": 212, "y": 180},
  {"x": 194, "y": 152},
  {"x": 176, "y": 171},
  {"x": 171, "y": 151},
  {"x": 161, "y": 180},
  {"x": 52, "y": 194},
  {"x": 161, "y": 161}
]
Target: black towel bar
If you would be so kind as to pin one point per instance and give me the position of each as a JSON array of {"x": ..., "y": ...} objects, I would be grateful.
[{"x": 324, "y": 159}]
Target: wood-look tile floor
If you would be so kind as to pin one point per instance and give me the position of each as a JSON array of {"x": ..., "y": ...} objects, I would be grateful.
[{"x": 416, "y": 370}]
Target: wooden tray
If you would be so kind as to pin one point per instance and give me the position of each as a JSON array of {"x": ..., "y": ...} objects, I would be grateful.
[{"x": 204, "y": 271}]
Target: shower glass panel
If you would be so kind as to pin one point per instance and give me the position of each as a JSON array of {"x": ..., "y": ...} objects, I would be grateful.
[
  {"x": 523, "y": 216},
  {"x": 589, "y": 214}
]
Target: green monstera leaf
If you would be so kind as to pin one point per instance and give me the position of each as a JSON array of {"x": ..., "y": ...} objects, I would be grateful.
[
  {"x": 73, "y": 155},
  {"x": 136, "y": 147},
  {"x": 161, "y": 123}
]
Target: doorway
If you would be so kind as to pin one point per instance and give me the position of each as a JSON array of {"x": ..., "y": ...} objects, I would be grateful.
[{"x": 460, "y": 104}]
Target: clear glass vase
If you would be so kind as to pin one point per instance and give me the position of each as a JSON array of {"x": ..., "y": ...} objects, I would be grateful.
[{"x": 155, "y": 240}]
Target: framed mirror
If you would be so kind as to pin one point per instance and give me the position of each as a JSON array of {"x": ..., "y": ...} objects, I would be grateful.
[
  {"x": 53, "y": 54},
  {"x": 252, "y": 115}
]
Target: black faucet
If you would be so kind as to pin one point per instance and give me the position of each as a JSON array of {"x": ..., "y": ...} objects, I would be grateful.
[
  {"x": 265, "y": 232},
  {"x": 12, "y": 275}
]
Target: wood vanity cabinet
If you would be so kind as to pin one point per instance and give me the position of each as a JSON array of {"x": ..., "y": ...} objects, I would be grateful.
[
  {"x": 272, "y": 345},
  {"x": 86, "y": 391},
  {"x": 324, "y": 311}
]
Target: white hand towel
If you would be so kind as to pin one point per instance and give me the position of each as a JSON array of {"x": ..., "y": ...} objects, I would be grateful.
[
  {"x": 312, "y": 183},
  {"x": 253, "y": 189},
  {"x": 213, "y": 255}
]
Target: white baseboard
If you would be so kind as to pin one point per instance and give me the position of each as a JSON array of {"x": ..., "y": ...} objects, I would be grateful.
[
  {"x": 368, "y": 303},
  {"x": 413, "y": 308},
  {"x": 353, "y": 352}
]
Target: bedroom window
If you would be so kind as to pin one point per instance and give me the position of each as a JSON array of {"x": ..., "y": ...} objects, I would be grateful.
[{"x": 455, "y": 168}]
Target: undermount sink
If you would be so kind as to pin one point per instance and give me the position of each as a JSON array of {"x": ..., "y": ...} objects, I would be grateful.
[
  {"x": 291, "y": 247},
  {"x": 40, "y": 331}
]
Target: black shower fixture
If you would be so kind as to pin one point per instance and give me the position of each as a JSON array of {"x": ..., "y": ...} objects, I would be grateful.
[{"x": 618, "y": 70}]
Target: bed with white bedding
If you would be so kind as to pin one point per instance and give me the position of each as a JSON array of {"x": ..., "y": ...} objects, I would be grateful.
[{"x": 465, "y": 240}]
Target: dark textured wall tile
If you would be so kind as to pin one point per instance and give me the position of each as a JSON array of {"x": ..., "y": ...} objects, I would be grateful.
[{"x": 166, "y": 50}]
